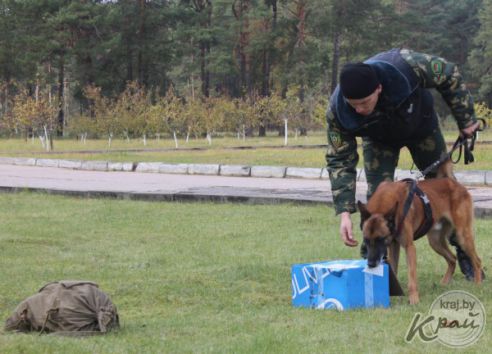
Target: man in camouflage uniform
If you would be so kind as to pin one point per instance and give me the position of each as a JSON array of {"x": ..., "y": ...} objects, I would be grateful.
[{"x": 386, "y": 102}]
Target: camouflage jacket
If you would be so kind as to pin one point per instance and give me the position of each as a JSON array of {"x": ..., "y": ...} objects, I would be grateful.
[{"x": 420, "y": 72}]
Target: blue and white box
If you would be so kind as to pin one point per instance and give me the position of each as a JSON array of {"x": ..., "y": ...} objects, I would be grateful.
[{"x": 341, "y": 285}]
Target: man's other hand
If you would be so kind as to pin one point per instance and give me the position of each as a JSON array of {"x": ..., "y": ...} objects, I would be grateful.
[{"x": 468, "y": 131}]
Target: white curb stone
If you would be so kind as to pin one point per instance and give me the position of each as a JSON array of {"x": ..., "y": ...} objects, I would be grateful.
[
  {"x": 297, "y": 172},
  {"x": 47, "y": 162},
  {"x": 325, "y": 174},
  {"x": 22, "y": 161},
  {"x": 203, "y": 169},
  {"x": 94, "y": 165},
  {"x": 471, "y": 177},
  {"x": 402, "y": 174},
  {"x": 25, "y": 161},
  {"x": 235, "y": 170},
  {"x": 148, "y": 167},
  {"x": 7, "y": 161},
  {"x": 73, "y": 164},
  {"x": 180, "y": 168},
  {"x": 268, "y": 171},
  {"x": 120, "y": 166}
]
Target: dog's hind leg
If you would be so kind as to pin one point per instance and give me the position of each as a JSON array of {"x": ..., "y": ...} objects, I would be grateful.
[
  {"x": 464, "y": 237},
  {"x": 463, "y": 219},
  {"x": 437, "y": 237}
]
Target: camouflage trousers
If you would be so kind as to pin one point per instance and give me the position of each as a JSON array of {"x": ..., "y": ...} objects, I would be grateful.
[{"x": 380, "y": 160}]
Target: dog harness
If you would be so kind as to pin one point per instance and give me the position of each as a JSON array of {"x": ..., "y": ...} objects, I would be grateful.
[{"x": 428, "y": 218}]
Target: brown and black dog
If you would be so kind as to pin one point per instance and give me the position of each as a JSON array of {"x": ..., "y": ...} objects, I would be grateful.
[{"x": 452, "y": 210}]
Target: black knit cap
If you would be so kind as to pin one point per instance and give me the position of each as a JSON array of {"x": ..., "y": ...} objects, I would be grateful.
[{"x": 358, "y": 80}]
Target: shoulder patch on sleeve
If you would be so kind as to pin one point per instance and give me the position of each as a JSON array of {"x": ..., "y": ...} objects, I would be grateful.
[{"x": 436, "y": 66}]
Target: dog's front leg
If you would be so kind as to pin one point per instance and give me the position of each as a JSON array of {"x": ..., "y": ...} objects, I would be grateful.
[
  {"x": 413, "y": 292},
  {"x": 394, "y": 255}
]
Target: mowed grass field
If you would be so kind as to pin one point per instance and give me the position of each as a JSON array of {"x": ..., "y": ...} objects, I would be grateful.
[
  {"x": 224, "y": 150},
  {"x": 203, "y": 277}
]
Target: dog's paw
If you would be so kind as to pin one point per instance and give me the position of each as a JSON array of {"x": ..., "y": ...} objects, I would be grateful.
[
  {"x": 413, "y": 299},
  {"x": 445, "y": 280},
  {"x": 480, "y": 278}
]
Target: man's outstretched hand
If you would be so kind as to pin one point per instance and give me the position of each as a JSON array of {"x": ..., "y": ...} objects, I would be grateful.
[{"x": 346, "y": 230}]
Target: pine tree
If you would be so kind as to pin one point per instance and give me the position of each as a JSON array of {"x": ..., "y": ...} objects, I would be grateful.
[{"x": 481, "y": 56}]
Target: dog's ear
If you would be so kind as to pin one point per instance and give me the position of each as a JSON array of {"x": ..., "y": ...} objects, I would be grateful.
[{"x": 364, "y": 213}]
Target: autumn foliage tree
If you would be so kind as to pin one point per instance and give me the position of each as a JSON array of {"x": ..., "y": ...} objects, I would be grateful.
[
  {"x": 35, "y": 114},
  {"x": 102, "y": 110}
]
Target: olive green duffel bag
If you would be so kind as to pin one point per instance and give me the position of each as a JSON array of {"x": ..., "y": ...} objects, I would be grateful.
[{"x": 77, "y": 307}]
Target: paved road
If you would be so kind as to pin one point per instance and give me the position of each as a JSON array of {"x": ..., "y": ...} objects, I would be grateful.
[
  {"x": 163, "y": 186},
  {"x": 171, "y": 187}
]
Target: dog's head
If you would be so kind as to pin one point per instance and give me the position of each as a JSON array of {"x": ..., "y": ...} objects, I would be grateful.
[{"x": 377, "y": 231}]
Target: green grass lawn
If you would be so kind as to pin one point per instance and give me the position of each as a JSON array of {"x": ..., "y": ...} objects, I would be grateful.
[
  {"x": 219, "y": 152},
  {"x": 202, "y": 277},
  {"x": 15, "y": 145}
]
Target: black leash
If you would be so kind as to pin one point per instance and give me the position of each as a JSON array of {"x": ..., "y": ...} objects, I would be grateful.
[
  {"x": 458, "y": 144},
  {"x": 465, "y": 147}
]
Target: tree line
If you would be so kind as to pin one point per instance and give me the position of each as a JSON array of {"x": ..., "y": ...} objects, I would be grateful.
[
  {"x": 143, "y": 113},
  {"x": 60, "y": 59}
]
